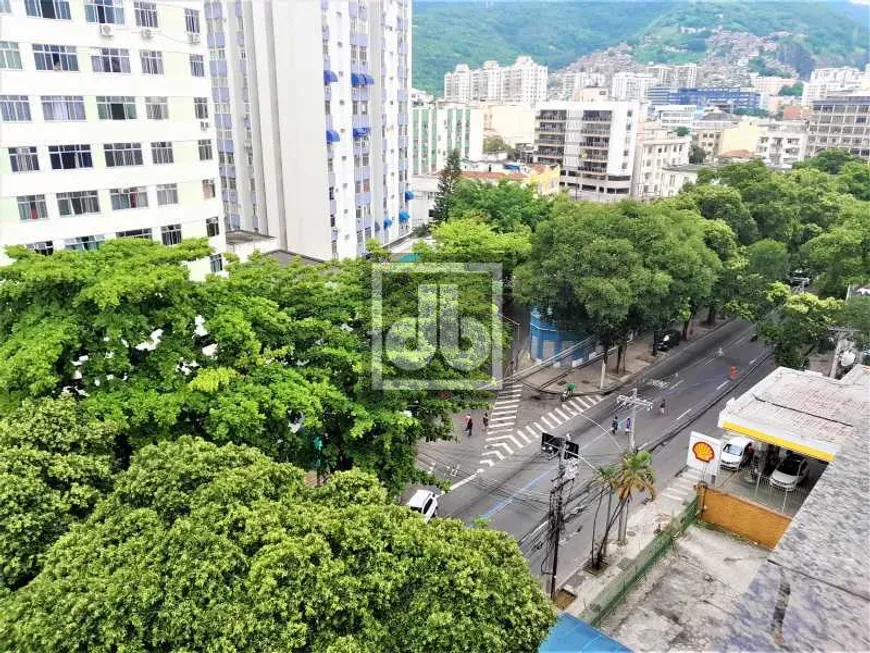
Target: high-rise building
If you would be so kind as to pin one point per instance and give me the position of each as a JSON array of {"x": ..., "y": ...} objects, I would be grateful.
[
  {"x": 313, "y": 123},
  {"x": 673, "y": 116},
  {"x": 106, "y": 126},
  {"x": 658, "y": 148},
  {"x": 781, "y": 143},
  {"x": 824, "y": 81},
  {"x": 523, "y": 82},
  {"x": 674, "y": 76},
  {"x": 574, "y": 81},
  {"x": 771, "y": 85},
  {"x": 593, "y": 143},
  {"x": 841, "y": 121},
  {"x": 726, "y": 98},
  {"x": 438, "y": 128},
  {"x": 631, "y": 86}
]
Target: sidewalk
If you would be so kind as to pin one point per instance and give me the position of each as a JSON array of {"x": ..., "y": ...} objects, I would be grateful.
[{"x": 587, "y": 377}]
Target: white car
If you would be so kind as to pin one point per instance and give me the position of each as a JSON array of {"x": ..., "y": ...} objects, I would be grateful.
[
  {"x": 735, "y": 453},
  {"x": 424, "y": 502},
  {"x": 791, "y": 472}
]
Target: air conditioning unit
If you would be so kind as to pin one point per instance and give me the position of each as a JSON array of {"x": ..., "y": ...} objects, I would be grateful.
[
  {"x": 147, "y": 33},
  {"x": 107, "y": 29},
  {"x": 204, "y": 125},
  {"x": 194, "y": 38}
]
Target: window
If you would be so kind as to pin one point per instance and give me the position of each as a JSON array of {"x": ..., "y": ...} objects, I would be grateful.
[
  {"x": 171, "y": 234},
  {"x": 23, "y": 159},
  {"x": 144, "y": 234},
  {"x": 5, "y": 7},
  {"x": 110, "y": 60},
  {"x": 205, "y": 151},
  {"x": 14, "y": 108},
  {"x": 167, "y": 194},
  {"x": 123, "y": 154},
  {"x": 135, "y": 197},
  {"x": 116, "y": 107},
  {"x": 32, "y": 207},
  {"x": 197, "y": 65},
  {"x": 161, "y": 152},
  {"x": 216, "y": 262},
  {"x": 146, "y": 14},
  {"x": 57, "y": 9},
  {"x": 208, "y": 189},
  {"x": 104, "y": 11},
  {"x": 212, "y": 228},
  {"x": 10, "y": 56},
  {"x": 84, "y": 243},
  {"x": 63, "y": 107},
  {"x": 156, "y": 108},
  {"x": 69, "y": 157},
  {"x": 200, "y": 107},
  {"x": 152, "y": 62},
  {"x": 55, "y": 57},
  {"x": 44, "y": 247},
  {"x": 191, "y": 21},
  {"x": 78, "y": 203}
]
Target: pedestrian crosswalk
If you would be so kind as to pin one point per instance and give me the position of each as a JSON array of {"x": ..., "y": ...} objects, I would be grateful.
[
  {"x": 503, "y": 441},
  {"x": 503, "y": 414}
]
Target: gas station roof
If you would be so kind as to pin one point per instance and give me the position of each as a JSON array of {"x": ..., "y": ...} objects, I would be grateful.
[{"x": 801, "y": 411}]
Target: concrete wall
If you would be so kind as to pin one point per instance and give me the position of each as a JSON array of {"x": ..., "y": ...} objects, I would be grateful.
[{"x": 742, "y": 517}]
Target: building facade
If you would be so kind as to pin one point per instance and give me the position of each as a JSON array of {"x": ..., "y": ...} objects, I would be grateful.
[
  {"x": 523, "y": 82},
  {"x": 313, "y": 129},
  {"x": 106, "y": 126},
  {"x": 438, "y": 128},
  {"x": 729, "y": 98},
  {"x": 771, "y": 85},
  {"x": 593, "y": 143},
  {"x": 574, "y": 81},
  {"x": 631, "y": 86},
  {"x": 675, "y": 115},
  {"x": 841, "y": 121},
  {"x": 514, "y": 123},
  {"x": 685, "y": 76},
  {"x": 781, "y": 144},
  {"x": 658, "y": 148}
]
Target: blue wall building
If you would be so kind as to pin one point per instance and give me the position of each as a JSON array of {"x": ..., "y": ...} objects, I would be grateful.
[
  {"x": 546, "y": 340},
  {"x": 732, "y": 98}
]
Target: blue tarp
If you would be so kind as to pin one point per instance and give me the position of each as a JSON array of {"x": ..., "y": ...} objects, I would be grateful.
[
  {"x": 572, "y": 635},
  {"x": 409, "y": 195},
  {"x": 329, "y": 77},
  {"x": 403, "y": 216},
  {"x": 332, "y": 136}
]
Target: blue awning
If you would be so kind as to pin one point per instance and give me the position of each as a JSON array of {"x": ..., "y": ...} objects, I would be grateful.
[
  {"x": 329, "y": 77},
  {"x": 571, "y": 635},
  {"x": 409, "y": 195},
  {"x": 403, "y": 216},
  {"x": 512, "y": 166},
  {"x": 387, "y": 223},
  {"x": 369, "y": 79},
  {"x": 357, "y": 79},
  {"x": 332, "y": 136},
  {"x": 359, "y": 132}
]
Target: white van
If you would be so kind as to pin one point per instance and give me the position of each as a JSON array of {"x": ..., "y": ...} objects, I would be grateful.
[
  {"x": 424, "y": 502},
  {"x": 735, "y": 453}
]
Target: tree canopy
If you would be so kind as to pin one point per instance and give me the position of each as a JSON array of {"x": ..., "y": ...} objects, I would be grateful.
[
  {"x": 507, "y": 205},
  {"x": 207, "y": 548}
]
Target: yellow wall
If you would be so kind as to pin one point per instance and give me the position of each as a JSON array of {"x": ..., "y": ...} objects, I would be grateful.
[
  {"x": 545, "y": 183},
  {"x": 742, "y": 516},
  {"x": 743, "y": 136}
]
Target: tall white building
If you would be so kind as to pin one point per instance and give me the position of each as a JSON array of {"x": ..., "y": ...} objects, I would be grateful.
[
  {"x": 312, "y": 120},
  {"x": 658, "y": 149},
  {"x": 631, "y": 86},
  {"x": 685, "y": 76},
  {"x": 824, "y": 81},
  {"x": 841, "y": 121},
  {"x": 782, "y": 143},
  {"x": 675, "y": 115},
  {"x": 523, "y": 82},
  {"x": 574, "y": 81},
  {"x": 593, "y": 142},
  {"x": 106, "y": 126},
  {"x": 438, "y": 128}
]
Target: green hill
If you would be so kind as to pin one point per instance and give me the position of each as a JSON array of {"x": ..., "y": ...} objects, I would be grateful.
[{"x": 557, "y": 33}]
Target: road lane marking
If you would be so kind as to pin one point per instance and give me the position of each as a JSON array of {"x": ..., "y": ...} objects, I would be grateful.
[
  {"x": 506, "y": 402},
  {"x": 504, "y": 411},
  {"x": 459, "y": 484},
  {"x": 531, "y": 431},
  {"x": 501, "y": 504},
  {"x": 488, "y": 462},
  {"x": 540, "y": 428},
  {"x": 516, "y": 442},
  {"x": 677, "y": 383},
  {"x": 503, "y": 418},
  {"x": 524, "y": 437},
  {"x": 684, "y": 414},
  {"x": 722, "y": 385},
  {"x": 577, "y": 405},
  {"x": 752, "y": 361},
  {"x": 547, "y": 422},
  {"x": 510, "y": 452},
  {"x": 708, "y": 361},
  {"x": 561, "y": 414},
  {"x": 494, "y": 452}
]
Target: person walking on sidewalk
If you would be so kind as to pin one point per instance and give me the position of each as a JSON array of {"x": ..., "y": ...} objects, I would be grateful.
[
  {"x": 627, "y": 426},
  {"x": 663, "y": 407},
  {"x": 486, "y": 419},
  {"x": 469, "y": 425},
  {"x": 614, "y": 425}
]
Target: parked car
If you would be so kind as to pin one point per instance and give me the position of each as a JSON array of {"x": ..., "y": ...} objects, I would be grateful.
[
  {"x": 791, "y": 472},
  {"x": 736, "y": 453},
  {"x": 670, "y": 339},
  {"x": 424, "y": 502}
]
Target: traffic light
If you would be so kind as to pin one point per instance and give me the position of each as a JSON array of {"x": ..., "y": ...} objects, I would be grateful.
[{"x": 572, "y": 450}]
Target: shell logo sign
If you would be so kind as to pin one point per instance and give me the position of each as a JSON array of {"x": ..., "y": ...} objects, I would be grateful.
[{"x": 704, "y": 453}]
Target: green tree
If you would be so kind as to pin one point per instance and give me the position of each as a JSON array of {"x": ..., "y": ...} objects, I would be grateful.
[
  {"x": 841, "y": 256},
  {"x": 54, "y": 466},
  {"x": 798, "y": 324},
  {"x": 830, "y": 161},
  {"x": 508, "y": 205},
  {"x": 682, "y": 131},
  {"x": 854, "y": 178},
  {"x": 697, "y": 154},
  {"x": 793, "y": 90},
  {"x": 206, "y": 548},
  {"x": 496, "y": 145},
  {"x": 855, "y": 314},
  {"x": 769, "y": 259},
  {"x": 724, "y": 203},
  {"x": 448, "y": 180},
  {"x": 475, "y": 240}
]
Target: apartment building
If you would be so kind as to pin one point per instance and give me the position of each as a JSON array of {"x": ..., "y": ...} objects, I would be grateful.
[
  {"x": 781, "y": 144},
  {"x": 438, "y": 128},
  {"x": 771, "y": 85},
  {"x": 313, "y": 129},
  {"x": 726, "y": 98},
  {"x": 594, "y": 144},
  {"x": 708, "y": 129},
  {"x": 675, "y": 115},
  {"x": 513, "y": 123},
  {"x": 658, "y": 148},
  {"x": 824, "y": 81},
  {"x": 841, "y": 121},
  {"x": 574, "y": 81},
  {"x": 674, "y": 76},
  {"x": 105, "y": 126},
  {"x": 631, "y": 86},
  {"x": 523, "y": 82}
]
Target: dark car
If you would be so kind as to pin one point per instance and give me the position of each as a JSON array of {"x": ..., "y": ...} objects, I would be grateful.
[{"x": 669, "y": 339}]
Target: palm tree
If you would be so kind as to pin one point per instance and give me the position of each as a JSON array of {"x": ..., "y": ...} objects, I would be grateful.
[{"x": 606, "y": 478}]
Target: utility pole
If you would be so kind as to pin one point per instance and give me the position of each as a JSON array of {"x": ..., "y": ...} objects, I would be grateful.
[
  {"x": 634, "y": 401},
  {"x": 556, "y": 516}
]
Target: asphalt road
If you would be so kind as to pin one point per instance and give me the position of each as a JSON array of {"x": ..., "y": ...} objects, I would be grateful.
[{"x": 513, "y": 494}]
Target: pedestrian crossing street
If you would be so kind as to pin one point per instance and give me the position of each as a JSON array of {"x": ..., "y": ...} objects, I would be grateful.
[{"x": 504, "y": 440}]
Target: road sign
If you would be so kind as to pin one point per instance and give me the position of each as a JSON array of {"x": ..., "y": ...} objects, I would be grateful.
[{"x": 704, "y": 453}]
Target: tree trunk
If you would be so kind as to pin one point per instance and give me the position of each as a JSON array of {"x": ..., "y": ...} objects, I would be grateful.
[
  {"x": 602, "y": 548},
  {"x": 620, "y": 353},
  {"x": 686, "y": 328},
  {"x": 711, "y": 315},
  {"x": 655, "y": 340},
  {"x": 622, "y": 538}
]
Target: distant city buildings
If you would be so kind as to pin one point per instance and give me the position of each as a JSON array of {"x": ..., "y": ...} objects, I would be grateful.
[
  {"x": 673, "y": 116},
  {"x": 523, "y": 82},
  {"x": 771, "y": 85},
  {"x": 658, "y": 149},
  {"x": 438, "y": 128},
  {"x": 631, "y": 86},
  {"x": 841, "y": 121},
  {"x": 824, "y": 81},
  {"x": 724, "y": 98},
  {"x": 513, "y": 123},
  {"x": 107, "y": 127},
  {"x": 674, "y": 76},
  {"x": 574, "y": 81},
  {"x": 593, "y": 143},
  {"x": 781, "y": 144}
]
